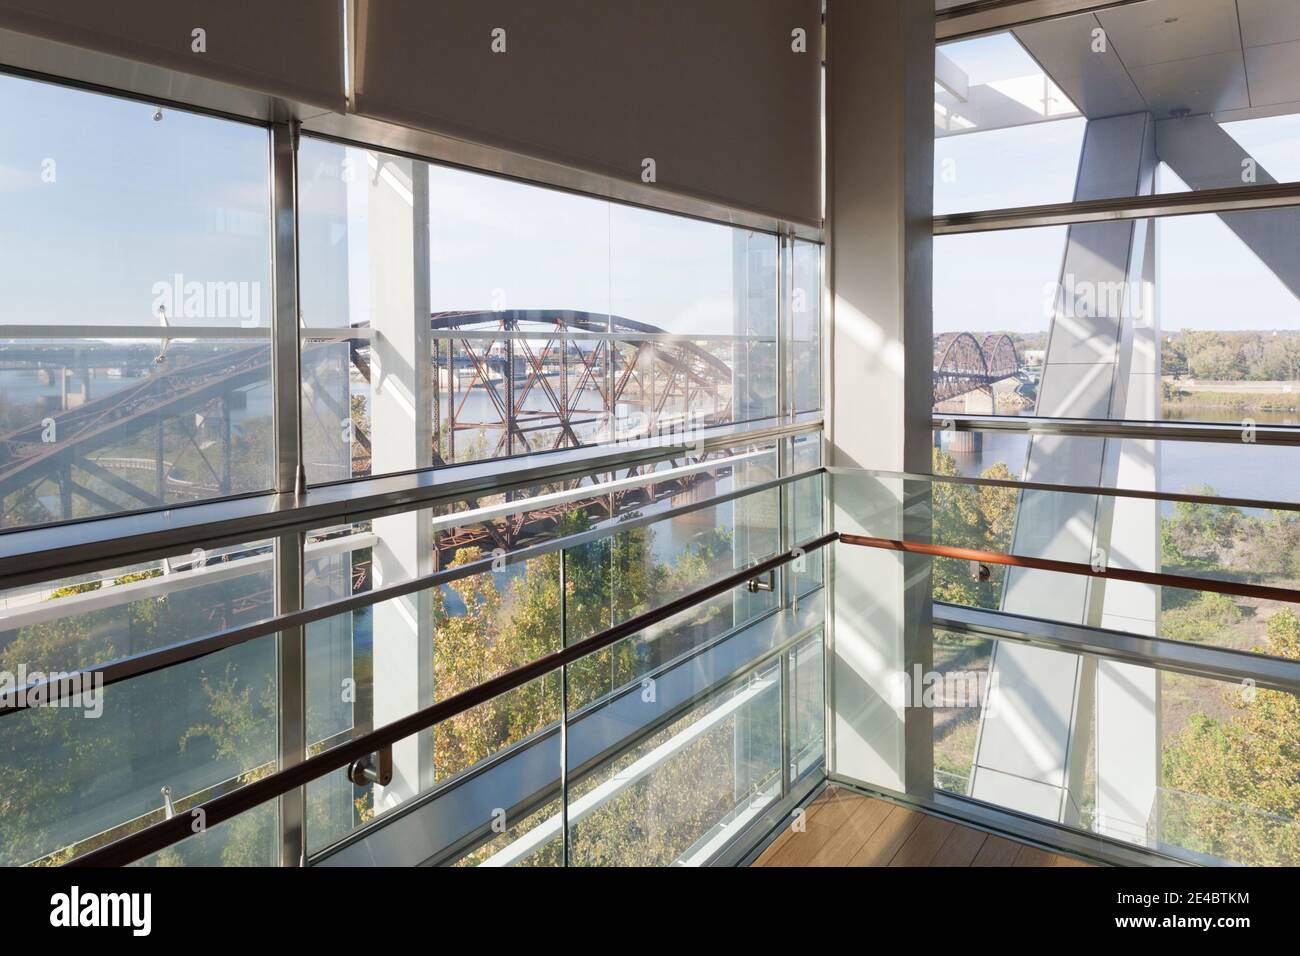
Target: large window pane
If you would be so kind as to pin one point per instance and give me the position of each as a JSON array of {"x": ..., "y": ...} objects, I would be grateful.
[
  {"x": 995, "y": 108},
  {"x": 1185, "y": 318},
  {"x": 134, "y": 330},
  {"x": 556, "y": 320},
  {"x": 805, "y": 328}
]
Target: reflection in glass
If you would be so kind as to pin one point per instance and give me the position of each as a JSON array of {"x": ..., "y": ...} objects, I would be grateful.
[
  {"x": 675, "y": 797},
  {"x": 1196, "y": 775},
  {"x": 556, "y": 321},
  {"x": 1186, "y": 318},
  {"x": 135, "y": 360}
]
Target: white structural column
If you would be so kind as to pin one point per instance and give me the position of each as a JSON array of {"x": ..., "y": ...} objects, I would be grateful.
[
  {"x": 880, "y": 76},
  {"x": 1128, "y": 696},
  {"x": 1102, "y": 362},
  {"x": 402, "y": 413}
]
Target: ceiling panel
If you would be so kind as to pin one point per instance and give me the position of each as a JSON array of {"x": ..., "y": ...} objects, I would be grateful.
[
  {"x": 1205, "y": 84},
  {"x": 1269, "y": 21},
  {"x": 1161, "y": 31},
  {"x": 1274, "y": 73},
  {"x": 1097, "y": 83}
]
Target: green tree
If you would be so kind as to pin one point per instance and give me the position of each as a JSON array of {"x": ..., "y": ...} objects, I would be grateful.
[
  {"x": 1242, "y": 774},
  {"x": 1196, "y": 535},
  {"x": 971, "y": 516}
]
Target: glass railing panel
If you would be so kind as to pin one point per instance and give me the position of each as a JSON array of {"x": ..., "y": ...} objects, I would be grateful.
[
  {"x": 964, "y": 662},
  {"x": 671, "y": 769},
  {"x": 1190, "y": 766},
  {"x": 109, "y": 761},
  {"x": 544, "y": 847},
  {"x": 637, "y": 759},
  {"x": 85, "y": 770},
  {"x": 253, "y": 837},
  {"x": 668, "y": 799},
  {"x": 807, "y": 706},
  {"x": 667, "y": 537},
  {"x": 383, "y": 661},
  {"x": 250, "y": 839},
  {"x": 1202, "y": 542},
  {"x": 644, "y": 567}
]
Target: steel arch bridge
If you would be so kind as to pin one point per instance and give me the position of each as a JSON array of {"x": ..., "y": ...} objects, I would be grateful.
[
  {"x": 547, "y": 388},
  {"x": 544, "y": 388},
  {"x": 66, "y": 447},
  {"x": 964, "y": 364}
]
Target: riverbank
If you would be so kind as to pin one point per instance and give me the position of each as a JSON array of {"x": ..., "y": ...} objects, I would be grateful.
[{"x": 1228, "y": 396}]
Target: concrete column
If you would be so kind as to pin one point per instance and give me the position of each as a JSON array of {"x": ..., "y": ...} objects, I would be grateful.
[
  {"x": 880, "y": 149},
  {"x": 402, "y": 415}
]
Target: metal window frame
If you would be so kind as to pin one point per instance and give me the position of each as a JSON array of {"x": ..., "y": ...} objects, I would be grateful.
[
  {"x": 289, "y": 557},
  {"x": 1122, "y": 428},
  {"x": 61, "y": 549},
  {"x": 993, "y": 16},
  {"x": 1157, "y": 206},
  {"x": 1195, "y": 660},
  {"x": 292, "y": 616}
]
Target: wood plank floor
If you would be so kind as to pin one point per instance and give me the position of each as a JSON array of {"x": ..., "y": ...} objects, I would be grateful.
[{"x": 843, "y": 828}]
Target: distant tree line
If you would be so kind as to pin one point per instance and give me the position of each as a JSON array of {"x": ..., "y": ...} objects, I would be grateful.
[{"x": 1268, "y": 356}]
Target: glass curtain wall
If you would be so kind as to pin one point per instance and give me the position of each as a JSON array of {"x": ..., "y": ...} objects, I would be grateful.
[
  {"x": 447, "y": 318},
  {"x": 1144, "y": 352}
]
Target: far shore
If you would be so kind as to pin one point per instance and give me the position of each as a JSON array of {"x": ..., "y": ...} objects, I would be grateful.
[{"x": 1205, "y": 393}]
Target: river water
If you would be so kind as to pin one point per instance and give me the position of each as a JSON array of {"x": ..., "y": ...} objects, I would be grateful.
[{"x": 1267, "y": 472}]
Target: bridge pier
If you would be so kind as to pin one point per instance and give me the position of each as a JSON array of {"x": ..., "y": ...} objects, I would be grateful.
[{"x": 959, "y": 443}]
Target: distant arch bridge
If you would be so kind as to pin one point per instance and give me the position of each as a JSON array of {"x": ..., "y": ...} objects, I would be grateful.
[{"x": 963, "y": 363}]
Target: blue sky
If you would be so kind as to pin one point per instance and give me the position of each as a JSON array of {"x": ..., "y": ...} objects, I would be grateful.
[
  {"x": 100, "y": 202},
  {"x": 134, "y": 201},
  {"x": 131, "y": 202},
  {"x": 496, "y": 243},
  {"x": 1208, "y": 278}
]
